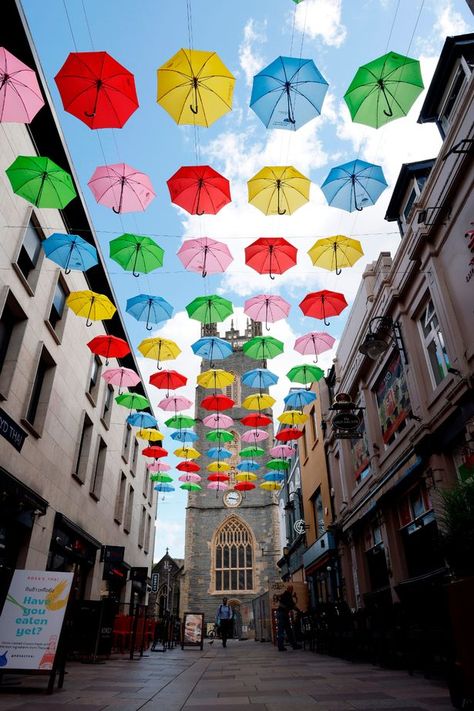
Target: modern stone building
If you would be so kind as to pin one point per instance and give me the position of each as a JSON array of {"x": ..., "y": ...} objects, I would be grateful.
[{"x": 232, "y": 542}]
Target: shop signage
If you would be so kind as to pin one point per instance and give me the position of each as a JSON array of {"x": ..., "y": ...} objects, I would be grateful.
[
  {"x": 346, "y": 421},
  {"x": 193, "y": 630},
  {"x": 154, "y": 582},
  {"x": 113, "y": 559},
  {"x": 12, "y": 432},
  {"x": 347, "y": 434},
  {"x": 32, "y": 618}
]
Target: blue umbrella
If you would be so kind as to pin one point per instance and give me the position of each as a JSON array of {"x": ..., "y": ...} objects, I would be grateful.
[
  {"x": 247, "y": 466},
  {"x": 288, "y": 93},
  {"x": 274, "y": 476},
  {"x": 152, "y": 309},
  {"x": 164, "y": 488},
  {"x": 70, "y": 252},
  {"x": 212, "y": 348},
  {"x": 354, "y": 185},
  {"x": 185, "y": 436},
  {"x": 259, "y": 378},
  {"x": 219, "y": 453},
  {"x": 142, "y": 420},
  {"x": 297, "y": 399}
]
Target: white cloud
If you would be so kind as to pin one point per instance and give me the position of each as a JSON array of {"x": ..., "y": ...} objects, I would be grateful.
[
  {"x": 321, "y": 19},
  {"x": 249, "y": 59},
  {"x": 449, "y": 21}
]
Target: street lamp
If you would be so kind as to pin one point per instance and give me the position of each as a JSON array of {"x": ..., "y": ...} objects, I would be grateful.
[{"x": 383, "y": 332}]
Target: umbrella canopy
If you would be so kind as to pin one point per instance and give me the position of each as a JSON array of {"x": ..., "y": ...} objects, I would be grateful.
[
  {"x": 159, "y": 349},
  {"x": 278, "y": 190},
  {"x": 274, "y": 476},
  {"x": 247, "y": 465},
  {"x": 270, "y": 255},
  {"x": 209, "y": 309},
  {"x": 259, "y": 378},
  {"x": 195, "y": 478},
  {"x": 205, "y": 256},
  {"x": 168, "y": 380},
  {"x": 134, "y": 401},
  {"x": 217, "y": 403},
  {"x": 281, "y": 451},
  {"x": 158, "y": 467},
  {"x": 164, "y": 488},
  {"x": 244, "y": 486},
  {"x": 155, "y": 452},
  {"x": 199, "y": 189},
  {"x": 141, "y": 419},
  {"x": 267, "y": 308},
  {"x": 246, "y": 476},
  {"x": 187, "y": 453},
  {"x": 287, "y": 434},
  {"x": 195, "y": 87},
  {"x": 254, "y": 436},
  {"x": 123, "y": 377},
  {"x": 180, "y": 422},
  {"x": 91, "y": 306},
  {"x": 184, "y": 436},
  {"x": 218, "y": 485},
  {"x": 252, "y": 452},
  {"x": 288, "y": 93},
  {"x": 263, "y": 348},
  {"x": 218, "y": 467},
  {"x": 258, "y": 402},
  {"x": 96, "y": 89},
  {"x": 70, "y": 252},
  {"x": 217, "y": 419},
  {"x": 188, "y": 467},
  {"x": 305, "y": 374},
  {"x": 41, "y": 182},
  {"x": 212, "y": 348},
  {"x": 152, "y": 309},
  {"x": 190, "y": 487},
  {"x": 218, "y": 476},
  {"x": 136, "y": 254},
  {"x": 109, "y": 347},
  {"x": 320, "y": 304},
  {"x": 335, "y": 253},
  {"x": 219, "y": 453},
  {"x": 256, "y": 420},
  {"x": 151, "y": 435},
  {"x": 314, "y": 343},
  {"x": 121, "y": 187},
  {"x": 299, "y": 399},
  {"x": 270, "y": 486},
  {"x": 20, "y": 94},
  {"x": 277, "y": 464},
  {"x": 384, "y": 89},
  {"x": 219, "y": 436},
  {"x": 174, "y": 403},
  {"x": 354, "y": 185},
  {"x": 215, "y": 378},
  {"x": 163, "y": 478},
  {"x": 293, "y": 417}
]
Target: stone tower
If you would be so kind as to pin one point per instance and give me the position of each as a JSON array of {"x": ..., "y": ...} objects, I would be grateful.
[{"x": 230, "y": 550}]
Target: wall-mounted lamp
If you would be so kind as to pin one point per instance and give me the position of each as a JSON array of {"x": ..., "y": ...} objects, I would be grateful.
[{"x": 383, "y": 332}]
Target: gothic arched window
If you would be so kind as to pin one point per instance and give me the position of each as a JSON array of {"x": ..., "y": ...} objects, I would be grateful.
[{"x": 233, "y": 557}]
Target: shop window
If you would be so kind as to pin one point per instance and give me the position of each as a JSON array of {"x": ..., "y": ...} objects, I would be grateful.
[
  {"x": 30, "y": 255},
  {"x": 133, "y": 465},
  {"x": 141, "y": 530},
  {"x": 120, "y": 498},
  {"x": 393, "y": 401},
  {"x": 108, "y": 404},
  {"x": 13, "y": 323},
  {"x": 127, "y": 435},
  {"x": 99, "y": 469},
  {"x": 40, "y": 393},
  {"x": 146, "y": 545},
  {"x": 127, "y": 522},
  {"x": 318, "y": 514},
  {"x": 233, "y": 556},
  {"x": 433, "y": 344},
  {"x": 83, "y": 451}
]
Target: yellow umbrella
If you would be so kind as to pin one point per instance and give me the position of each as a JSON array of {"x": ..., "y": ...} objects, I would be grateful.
[
  {"x": 270, "y": 486},
  {"x": 159, "y": 349},
  {"x": 278, "y": 190},
  {"x": 258, "y": 401},
  {"x": 91, "y": 306},
  {"x": 195, "y": 87},
  {"x": 187, "y": 453},
  {"x": 150, "y": 434},
  {"x": 292, "y": 417},
  {"x": 336, "y": 252},
  {"x": 218, "y": 467},
  {"x": 215, "y": 378},
  {"x": 246, "y": 476}
]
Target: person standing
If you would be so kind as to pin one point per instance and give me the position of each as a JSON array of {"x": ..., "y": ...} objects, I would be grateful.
[
  {"x": 224, "y": 616},
  {"x": 286, "y": 603}
]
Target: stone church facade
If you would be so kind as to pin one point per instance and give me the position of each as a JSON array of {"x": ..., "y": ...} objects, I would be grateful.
[{"x": 231, "y": 550}]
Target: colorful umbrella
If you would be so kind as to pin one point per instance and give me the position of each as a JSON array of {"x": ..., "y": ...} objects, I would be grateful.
[
  {"x": 70, "y": 252},
  {"x": 218, "y": 486},
  {"x": 187, "y": 453},
  {"x": 159, "y": 467},
  {"x": 134, "y": 401},
  {"x": 159, "y": 349},
  {"x": 314, "y": 343},
  {"x": 184, "y": 436},
  {"x": 267, "y": 308},
  {"x": 151, "y": 435},
  {"x": 270, "y": 255},
  {"x": 247, "y": 465},
  {"x": 292, "y": 417},
  {"x": 194, "y": 478},
  {"x": 215, "y": 378},
  {"x": 320, "y": 304},
  {"x": 152, "y": 309},
  {"x": 288, "y": 93},
  {"x": 281, "y": 451},
  {"x": 154, "y": 451},
  {"x": 191, "y": 487},
  {"x": 217, "y": 420},
  {"x": 277, "y": 464},
  {"x": 219, "y": 453},
  {"x": 109, "y": 347},
  {"x": 199, "y": 189},
  {"x": 278, "y": 190},
  {"x": 252, "y": 452},
  {"x": 209, "y": 309},
  {"x": 254, "y": 436},
  {"x": 298, "y": 399},
  {"x": 305, "y": 374},
  {"x": 288, "y": 433},
  {"x": 121, "y": 188},
  {"x": 246, "y": 476},
  {"x": 354, "y": 185},
  {"x": 168, "y": 380},
  {"x": 162, "y": 478},
  {"x": 212, "y": 348},
  {"x": 41, "y": 182},
  {"x": 259, "y": 378},
  {"x": 205, "y": 256},
  {"x": 217, "y": 402},
  {"x": 174, "y": 403},
  {"x": 274, "y": 476},
  {"x": 244, "y": 486},
  {"x": 180, "y": 422},
  {"x": 219, "y": 436},
  {"x": 263, "y": 348},
  {"x": 136, "y": 254},
  {"x": 271, "y": 485},
  {"x": 195, "y": 87},
  {"x": 335, "y": 253},
  {"x": 256, "y": 420},
  {"x": 164, "y": 488},
  {"x": 96, "y": 89},
  {"x": 20, "y": 94},
  {"x": 384, "y": 89},
  {"x": 123, "y": 377},
  {"x": 258, "y": 402},
  {"x": 141, "y": 419},
  {"x": 218, "y": 467},
  {"x": 188, "y": 467},
  {"x": 91, "y": 306}
]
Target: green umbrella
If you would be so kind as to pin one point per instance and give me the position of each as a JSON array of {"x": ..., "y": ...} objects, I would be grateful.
[
  {"x": 162, "y": 478},
  {"x": 219, "y": 436},
  {"x": 180, "y": 422},
  {"x": 40, "y": 181},
  {"x": 132, "y": 401},
  {"x": 209, "y": 309},
  {"x": 277, "y": 464},
  {"x": 136, "y": 253},
  {"x": 263, "y": 347},
  {"x": 252, "y": 452},
  {"x": 305, "y": 374},
  {"x": 384, "y": 89},
  {"x": 191, "y": 487}
]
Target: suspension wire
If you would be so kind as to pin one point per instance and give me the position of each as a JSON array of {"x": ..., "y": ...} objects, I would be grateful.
[{"x": 70, "y": 25}]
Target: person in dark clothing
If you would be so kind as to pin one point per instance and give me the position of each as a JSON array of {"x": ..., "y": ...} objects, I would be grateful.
[
  {"x": 286, "y": 603},
  {"x": 224, "y": 617}
]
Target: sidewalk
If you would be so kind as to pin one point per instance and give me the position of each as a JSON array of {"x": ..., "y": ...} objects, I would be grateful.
[{"x": 244, "y": 674}]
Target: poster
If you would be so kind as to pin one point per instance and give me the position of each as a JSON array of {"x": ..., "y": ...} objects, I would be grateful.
[
  {"x": 392, "y": 398},
  {"x": 360, "y": 451},
  {"x": 193, "y": 629},
  {"x": 300, "y": 593},
  {"x": 32, "y": 617}
]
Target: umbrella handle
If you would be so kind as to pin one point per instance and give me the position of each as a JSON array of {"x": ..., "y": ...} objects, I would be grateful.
[
  {"x": 148, "y": 326},
  {"x": 195, "y": 87},
  {"x": 119, "y": 209},
  {"x": 338, "y": 269},
  {"x": 137, "y": 250},
  {"x": 88, "y": 320},
  {"x": 390, "y": 111},
  {"x": 280, "y": 212},
  {"x": 270, "y": 265}
]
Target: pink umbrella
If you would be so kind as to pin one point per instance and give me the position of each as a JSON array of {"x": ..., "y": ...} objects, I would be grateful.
[
  {"x": 121, "y": 187},
  {"x": 281, "y": 451},
  {"x": 123, "y": 377},
  {"x": 314, "y": 343},
  {"x": 254, "y": 436},
  {"x": 267, "y": 308},
  {"x": 20, "y": 94},
  {"x": 205, "y": 255},
  {"x": 193, "y": 478},
  {"x": 175, "y": 403},
  {"x": 218, "y": 421},
  {"x": 218, "y": 485},
  {"x": 159, "y": 467}
]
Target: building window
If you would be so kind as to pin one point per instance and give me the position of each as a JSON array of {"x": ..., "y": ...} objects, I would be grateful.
[
  {"x": 304, "y": 444},
  {"x": 120, "y": 498},
  {"x": 234, "y": 390},
  {"x": 375, "y": 557},
  {"x": 12, "y": 328},
  {"x": 30, "y": 252},
  {"x": 40, "y": 392},
  {"x": 313, "y": 425},
  {"x": 233, "y": 557},
  {"x": 141, "y": 530},
  {"x": 55, "y": 318},
  {"x": 433, "y": 343},
  {"x": 393, "y": 401},
  {"x": 146, "y": 476},
  {"x": 127, "y": 522},
  {"x": 360, "y": 452},
  {"x": 452, "y": 94},
  {"x": 94, "y": 379},
  {"x": 318, "y": 514},
  {"x": 99, "y": 468},
  {"x": 83, "y": 452},
  {"x": 133, "y": 465},
  {"x": 146, "y": 546},
  {"x": 108, "y": 403},
  {"x": 419, "y": 532},
  {"x": 126, "y": 442}
]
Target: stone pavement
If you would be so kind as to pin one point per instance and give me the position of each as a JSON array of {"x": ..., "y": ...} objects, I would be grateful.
[{"x": 244, "y": 674}]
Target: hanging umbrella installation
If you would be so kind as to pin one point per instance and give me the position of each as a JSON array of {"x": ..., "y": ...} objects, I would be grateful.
[
  {"x": 121, "y": 187},
  {"x": 20, "y": 94},
  {"x": 136, "y": 253},
  {"x": 354, "y": 185},
  {"x": 293, "y": 418},
  {"x": 159, "y": 467},
  {"x": 195, "y": 478},
  {"x": 305, "y": 374},
  {"x": 246, "y": 476},
  {"x": 288, "y": 434},
  {"x": 41, "y": 182},
  {"x": 256, "y": 420},
  {"x": 162, "y": 478},
  {"x": 335, "y": 253},
  {"x": 271, "y": 255},
  {"x": 70, "y": 252},
  {"x": 188, "y": 467},
  {"x": 91, "y": 306},
  {"x": 298, "y": 399},
  {"x": 133, "y": 401},
  {"x": 152, "y": 309},
  {"x": 184, "y": 436},
  {"x": 254, "y": 436},
  {"x": 199, "y": 189},
  {"x": 159, "y": 349},
  {"x": 263, "y": 348},
  {"x": 209, "y": 309},
  {"x": 204, "y": 256},
  {"x": 278, "y": 190},
  {"x": 187, "y": 453},
  {"x": 220, "y": 436},
  {"x": 282, "y": 451},
  {"x": 218, "y": 420},
  {"x": 288, "y": 93},
  {"x": 274, "y": 476},
  {"x": 151, "y": 435},
  {"x": 218, "y": 467},
  {"x": 219, "y": 453},
  {"x": 314, "y": 343},
  {"x": 248, "y": 465},
  {"x": 215, "y": 378},
  {"x": 168, "y": 380},
  {"x": 252, "y": 452},
  {"x": 190, "y": 486},
  {"x": 96, "y": 89},
  {"x": 123, "y": 377},
  {"x": 267, "y": 308},
  {"x": 109, "y": 347},
  {"x": 217, "y": 403},
  {"x": 260, "y": 378},
  {"x": 258, "y": 402},
  {"x": 320, "y": 304},
  {"x": 180, "y": 422},
  {"x": 212, "y": 348},
  {"x": 175, "y": 403},
  {"x": 271, "y": 485},
  {"x": 141, "y": 419},
  {"x": 244, "y": 486}
]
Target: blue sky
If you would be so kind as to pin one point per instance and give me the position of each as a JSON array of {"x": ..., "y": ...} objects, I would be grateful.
[{"x": 338, "y": 35}]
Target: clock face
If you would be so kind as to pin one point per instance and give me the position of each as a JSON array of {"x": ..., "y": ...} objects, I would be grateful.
[{"x": 232, "y": 499}]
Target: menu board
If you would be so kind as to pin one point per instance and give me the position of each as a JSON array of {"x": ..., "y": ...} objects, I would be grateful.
[{"x": 192, "y": 634}]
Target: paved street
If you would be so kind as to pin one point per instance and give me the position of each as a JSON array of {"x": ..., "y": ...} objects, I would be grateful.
[{"x": 244, "y": 674}]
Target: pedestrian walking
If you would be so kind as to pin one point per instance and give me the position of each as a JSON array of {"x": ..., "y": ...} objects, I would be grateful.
[
  {"x": 224, "y": 617},
  {"x": 286, "y": 603}
]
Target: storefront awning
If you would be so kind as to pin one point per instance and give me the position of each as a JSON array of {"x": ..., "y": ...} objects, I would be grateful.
[{"x": 14, "y": 487}]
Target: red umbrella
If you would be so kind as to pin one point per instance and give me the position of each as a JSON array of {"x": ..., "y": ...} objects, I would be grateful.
[
  {"x": 270, "y": 255},
  {"x": 217, "y": 403},
  {"x": 96, "y": 89},
  {"x": 168, "y": 380},
  {"x": 218, "y": 476},
  {"x": 256, "y": 420},
  {"x": 109, "y": 347},
  {"x": 155, "y": 452},
  {"x": 188, "y": 466},
  {"x": 288, "y": 434},
  {"x": 320, "y": 304},
  {"x": 199, "y": 189},
  {"x": 244, "y": 486}
]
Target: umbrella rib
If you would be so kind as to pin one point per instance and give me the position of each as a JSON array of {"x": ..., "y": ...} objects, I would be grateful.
[{"x": 207, "y": 88}]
